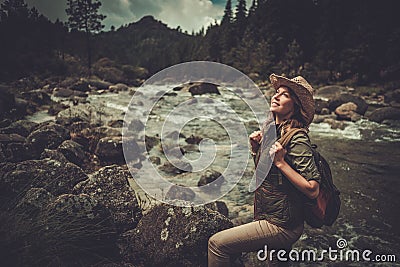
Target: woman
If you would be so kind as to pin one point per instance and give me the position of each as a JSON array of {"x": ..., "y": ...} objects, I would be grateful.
[{"x": 292, "y": 179}]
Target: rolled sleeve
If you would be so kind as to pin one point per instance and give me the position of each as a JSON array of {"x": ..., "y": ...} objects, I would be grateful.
[{"x": 300, "y": 157}]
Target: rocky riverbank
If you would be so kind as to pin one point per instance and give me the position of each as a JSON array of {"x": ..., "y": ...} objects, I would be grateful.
[{"x": 68, "y": 197}]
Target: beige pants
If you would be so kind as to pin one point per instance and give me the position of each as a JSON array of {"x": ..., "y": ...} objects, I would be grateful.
[{"x": 254, "y": 236}]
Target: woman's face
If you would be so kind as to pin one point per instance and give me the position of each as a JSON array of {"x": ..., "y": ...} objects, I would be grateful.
[{"x": 282, "y": 104}]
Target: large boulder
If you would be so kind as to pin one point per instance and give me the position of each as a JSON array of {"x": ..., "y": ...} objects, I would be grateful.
[
  {"x": 320, "y": 105},
  {"x": 110, "y": 187},
  {"x": 338, "y": 100},
  {"x": 172, "y": 236},
  {"x": 392, "y": 96},
  {"x": 81, "y": 113},
  {"x": 18, "y": 151},
  {"x": 37, "y": 97},
  {"x": 347, "y": 111},
  {"x": 21, "y": 127},
  {"x": 73, "y": 152},
  {"x": 49, "y": 136},
  {"x": 385, "y": 113},
  {"x": 110, "y": 149},
  {"x": 52, "y": 175}
]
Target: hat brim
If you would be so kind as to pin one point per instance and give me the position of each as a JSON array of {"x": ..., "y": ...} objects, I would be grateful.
[{"x": 304, "y": 95}]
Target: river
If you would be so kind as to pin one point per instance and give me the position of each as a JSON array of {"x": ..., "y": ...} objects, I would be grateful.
[{"x": 364, "y": 159}]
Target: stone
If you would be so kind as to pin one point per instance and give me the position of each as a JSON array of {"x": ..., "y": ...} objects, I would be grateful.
[
  {"x": 73, "y": 152},
  {"x": 320, "y": 104},
  {"x": 110, "y": 148},
  {"x": 62, "y": 92},
  {"x": 53, "y": 154},
  {"x": 109, "y": 186},
  {"x": 16, "y": 152},
  {"x": 172, "y": 236},
  {"x": 47, "y": 136},
  {"x": 385, "y": 113},
  {"x": 193, "y": 140},
  {"x": 21, "y": 127},
  {"x": 11, "y": 138},
  {"x": 211, "y": 180},
  {"x": 54, "y": 176},
  {"x": 37, "y": 97},
  {"x": 176, "y": 167},
  {"x": 335, "y": 124},
  {"x": 346, "y": 111},
  {"x": 219, "y": 206},
  {"x": 338, "y": 100},
  {"x": 118, "y": 87},
  {"x": 392, "y": 96},
  {"x": 203, "y": 88},
  {"x": 180, "y": 193},
  {"x": 80, "y": 113},
  {"x": 116, "y": 123}
]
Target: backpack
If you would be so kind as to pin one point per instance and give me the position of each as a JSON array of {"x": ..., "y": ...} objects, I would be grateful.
[{"x": 323, "y": 210}]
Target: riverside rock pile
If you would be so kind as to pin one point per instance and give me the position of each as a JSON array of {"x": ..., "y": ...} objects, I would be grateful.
[{"x": 66, "y": 196}]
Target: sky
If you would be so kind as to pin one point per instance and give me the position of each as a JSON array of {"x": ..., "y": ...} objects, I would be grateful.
[{"x": 190, "y": 15}]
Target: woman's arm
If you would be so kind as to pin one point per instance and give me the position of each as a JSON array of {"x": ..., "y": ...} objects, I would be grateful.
[{"x": 308, "y": 187}]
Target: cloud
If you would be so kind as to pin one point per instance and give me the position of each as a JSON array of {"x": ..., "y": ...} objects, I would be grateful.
[{"x": 188, "y": 14}]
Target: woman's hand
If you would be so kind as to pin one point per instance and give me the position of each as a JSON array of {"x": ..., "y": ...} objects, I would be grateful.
[
  {"x": 278, "y": 152},
  {"x": 255, "y": 139}
]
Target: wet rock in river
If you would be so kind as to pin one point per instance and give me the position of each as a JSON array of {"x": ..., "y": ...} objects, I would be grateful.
[
  {"x": 180, "y": 193},
  {"x": 385, "y": 113},
  {"x": 176, "y": 167},
  {"x": 172, "y": 236},
  {"x": 211, "y": 180},
  {"x": 110, "y": 187},
  {"x": 347, "y": 111},
  {"x": 320, "y": 104},
  {"x": 203, "y": 88},
  {"x": 338, "y": 100},
  {"x": 392, "y": 96}
]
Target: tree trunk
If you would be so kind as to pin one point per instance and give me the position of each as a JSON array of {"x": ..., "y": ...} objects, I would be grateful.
[{"x": 89, "y": 53}]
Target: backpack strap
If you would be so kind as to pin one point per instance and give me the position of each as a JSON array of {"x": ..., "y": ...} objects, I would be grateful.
[{"x": 285, "y": 139}]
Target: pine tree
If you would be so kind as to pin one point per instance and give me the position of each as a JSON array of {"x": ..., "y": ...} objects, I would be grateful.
[
  {"x": 241, "y": 12},
  {"x": 227, "y": 18},
  {"x": 83, "y": 15},
  {"x": 253, "y": 8}
]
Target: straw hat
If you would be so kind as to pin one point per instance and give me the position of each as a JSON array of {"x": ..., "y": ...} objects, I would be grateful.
[{"x": 302, "y": 89}]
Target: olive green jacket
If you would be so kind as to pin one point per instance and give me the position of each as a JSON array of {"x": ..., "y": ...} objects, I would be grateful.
[{"x": 276, "y": 199}]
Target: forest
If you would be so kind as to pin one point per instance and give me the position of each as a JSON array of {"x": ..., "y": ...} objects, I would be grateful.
[{"x": 329, "y": 41}]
